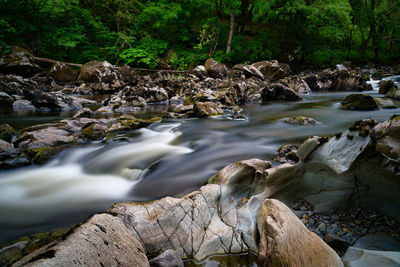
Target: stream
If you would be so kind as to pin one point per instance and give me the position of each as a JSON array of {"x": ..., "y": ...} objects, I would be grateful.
[{"x": 171, "y": 158}]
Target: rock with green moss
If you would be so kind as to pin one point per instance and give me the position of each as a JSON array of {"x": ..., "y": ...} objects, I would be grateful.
[
  {"x": 7, "y": 132},
  {"x": 359, "y": 102},
  {"x": 364, "y": 126},
  {"x": 43, "y": 154},
  {"x": 300, "y": 120},
  {"x": 386, "y": 86},
  {"x": 204, "y": 109},
  {"x": 93, "y": 131},
  {"x": 287, "y": 153},
  {"x": 386, "y": 103}
]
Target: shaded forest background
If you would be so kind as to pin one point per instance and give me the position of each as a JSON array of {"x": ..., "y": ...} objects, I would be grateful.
[{"x": 184, "y": 33}]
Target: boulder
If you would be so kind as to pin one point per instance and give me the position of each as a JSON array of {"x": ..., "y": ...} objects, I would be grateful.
[
  {"x": 356, "y": 257},
  {"x": 169, "y": 258},
  {"x": 20, "y": 62},
  {"x": 128, "y": 75},
  {"x": 296, "y": 83},
  {"x": 23, "y": 106},
  {"x": 5, "y": 100},
  {"x": 386, "y": 86},
  {"x": 61, "y": 72},
  {"x": 359, "y": 102},
  {"x": 387, "y": 136},
  {"x": 378, "y": 241},
  {"x": 101, "y": 75},
  {"x": 285, "y": 241},
  {"x": 102, "y": 240},
  {"x": 278, "y": 91},
  {"x": 83, "y": 113},
  {"x": 204, "y": 109},
  {"x": 343, "y": 80},
  {"x": 393, "y": 93},
  {"x": 215, "y": 69},
  {"x": 386, "y": 103},
  {"x": 272, "y": 69},
  {"x": 200, "y": 71}
]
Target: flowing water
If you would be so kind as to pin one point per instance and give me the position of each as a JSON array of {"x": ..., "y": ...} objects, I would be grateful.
[{"x": 170, "y": 158}]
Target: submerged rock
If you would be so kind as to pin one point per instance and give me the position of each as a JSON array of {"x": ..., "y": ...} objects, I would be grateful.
[
  {"x": 359, "y": 102},
  {"x": 285, "y": 241}
]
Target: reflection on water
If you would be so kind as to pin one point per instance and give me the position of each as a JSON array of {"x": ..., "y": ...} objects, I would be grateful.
[{"x": 170, "y": 158}]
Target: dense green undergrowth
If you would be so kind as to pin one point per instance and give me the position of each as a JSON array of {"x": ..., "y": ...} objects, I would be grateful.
[{"x": 183, "y": 33}]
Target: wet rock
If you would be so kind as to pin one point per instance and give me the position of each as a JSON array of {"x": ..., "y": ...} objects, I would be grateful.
[
  {"x": 183, "y": 108},
  {"x": 393, "y": 93},
  {"x": 278, "y": 91},
  {"x": 169, "y": 258},
  {"x": 361, "y": 257},
  {"x": 5, "y": 100},
  {"x": 359, "y": 102},
  {"x": 215, "y": 69},
  {"x": 300, "y": 120},
  {"x": 345, "y": 81},
  {"x": 83, "y": 113},
  {"x": 272, "y": 69},
  {"x": 103, "y": 240},
  {"x": 378, "y": 241},
  {"x": 7, "y": 132},
  {"x": 386, "y": 103},
  {"x": 386, "y": 135},
  {"x": 61, "y": 72},
  {"x": 287, "y": 153},
  {"x": 204, "y": 109},
  {"x": 284, "y": 237},
  {"x": 7, "y": 150},
  {"x": 93, "y": 131},
  {"x": 386, "y": 86},
  {"x": 296, "y": 83},
  {"x": 23, "y": 106},
  {"x": 100, "y": 75},
  {"x": 335, "y": 242},
  {"x": 20, "y": 62}
]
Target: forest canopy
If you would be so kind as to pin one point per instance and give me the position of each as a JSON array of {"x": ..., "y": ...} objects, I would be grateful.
[{"x": 184, "y": 33}]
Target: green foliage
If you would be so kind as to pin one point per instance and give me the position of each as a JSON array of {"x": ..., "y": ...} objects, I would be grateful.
[
  {"x": 139, "y": 32},
  {"x": 144, "y": 53}
]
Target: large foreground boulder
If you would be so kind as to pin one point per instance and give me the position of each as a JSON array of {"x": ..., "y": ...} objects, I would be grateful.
[
  {"x": 285, "y": 241},
  {"x": 101, "y": 241}
]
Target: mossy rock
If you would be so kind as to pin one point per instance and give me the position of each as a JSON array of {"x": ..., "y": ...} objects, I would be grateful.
[
  {"x": 393, "y": 93},
  {"x": 27, "y": 244},
  {"x": 364, "y": 126},
  {"x": 386, "y": 86},
  {"x": 359, "y": 102},
  {"x": 7, "y": 132},
  {"x": 43, "y": 154},
  {"x": 300, "y": 120},
  {"x": 93, "y": 131}
]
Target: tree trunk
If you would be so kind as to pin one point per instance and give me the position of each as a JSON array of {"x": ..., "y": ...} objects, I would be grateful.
[{"x": 228, "y": 45}]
